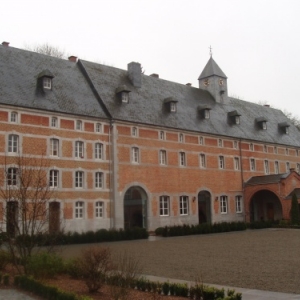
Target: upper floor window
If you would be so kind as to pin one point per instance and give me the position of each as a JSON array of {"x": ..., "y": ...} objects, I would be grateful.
[
  {"x": 201, "y": 140},
  {"x": 181, "y": 138},
  {"x": 238, "y": 204},
  {"x": 235, "y": 144},
  {"x": 266, "y": 163},
  {"x": 98, "y": 127},
  {"x": 99, "y": 151},
  {"x": 79, "y": 206},
  {"x": 251, "y": 147},
  {"x": 206, "y": 113},
  {"x": 252, "y": 164},
  {"x": 54, "y": 145},
  {"x": 47, "y": 83},
  {"x": 162, "y": 157},
  {"x": 99, "y": 180},
  {"x": 125, "y": 97},
  {"x": 220, "y": 143},
  {"x": 79, "y": 179},
  {"x": 224, "y": 204},
  {"x": 172, "y": 106},
  {"x": 298, "y": 168},
  {"x": 202, "y": 160},
  {"x": 13, "y": 143},
  {"x": 182, "y": 160},
  {"x": 286, "y": 151},
  {"x": 78, "y": 125},
  {"x": 162, "y": 135},
  {"x": 14, "y": 117},
  {"x": 135, "y": 155},
  {"x": 164, "y": 202},
  {"x": 79, "y": 149},
  {"x": 53, "y": 180},
  {"x": 12, "y": 178},
  {"x": 297, "y": 152},
  {"x": 221, "y": 162},
  {"x": 276, "y": 167},
  {"x": 236, "y": 163},
  {"x": 265, "y": 148},
  {"x": 54, "y": 122},
  {"x": 287, "y": 166},
  {"x": 134, "y": 131},
  {"x": 264, "y": 125},
  {"x": 99, "y": 209},
  {"x": 184, "y": 205},
  {"x": 275, "y": 150}
]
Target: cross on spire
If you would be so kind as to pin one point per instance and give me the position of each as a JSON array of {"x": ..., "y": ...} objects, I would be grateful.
[{"x": 210, "y": 51}]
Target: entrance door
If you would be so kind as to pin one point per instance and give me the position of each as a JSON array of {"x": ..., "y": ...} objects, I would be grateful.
[
  {"x": 204, "y": 210},
  {"x": 270, "y": 211},
  {"x": 54, "y": 217},
  {"x": 11, "y": 217}
]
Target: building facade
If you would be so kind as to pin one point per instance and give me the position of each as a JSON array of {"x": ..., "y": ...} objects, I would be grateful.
[{"x": 126, "y": 149}]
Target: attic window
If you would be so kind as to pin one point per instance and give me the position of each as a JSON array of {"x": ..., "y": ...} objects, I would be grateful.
[
  {"x": 204, "y": 112},
  {"x": 171, "y": 103},
  {"x": 123, "y": 93},
  {"x": 284, "y": 127},
  {"x": 45, "y": 77},
  {"x": 234, "y": 117},
  {"x": 262, "y": 122}
]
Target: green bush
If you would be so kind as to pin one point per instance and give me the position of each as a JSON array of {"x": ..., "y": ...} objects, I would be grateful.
[
  {"x": 72, "y": 268},
  {"x": 45, "y": 265},
  {"x": 4, "y": 259},
  {"x": 295, "y": 217},
  {"x": 6, "y": 279}
]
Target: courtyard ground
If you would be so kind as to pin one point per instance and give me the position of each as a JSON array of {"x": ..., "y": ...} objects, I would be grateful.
[{"x": 266, "y": 259}]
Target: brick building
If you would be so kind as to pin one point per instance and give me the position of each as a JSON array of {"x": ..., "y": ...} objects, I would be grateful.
[{"x": 126, "y": 149}]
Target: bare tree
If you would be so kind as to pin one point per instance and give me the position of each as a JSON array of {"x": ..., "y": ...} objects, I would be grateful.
[
  {"x": 294, "y": 119},
  {"x": 47, "y": 50},
  {"x": 25, "y": 195}
]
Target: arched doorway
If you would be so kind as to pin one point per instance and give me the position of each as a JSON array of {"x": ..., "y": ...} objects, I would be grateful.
[
  {"x": 135, "y": 208},
  {"x": 204, "y": 207},
  {"x": 265, "y": 206}
]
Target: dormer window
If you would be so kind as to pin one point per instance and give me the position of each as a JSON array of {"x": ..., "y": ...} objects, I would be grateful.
[
  {"x": 45, "y": 77},
  {"x": 171, "y": 104},
  {"x": 234, "y": 117},
  {"x": 47, "y": 83},
  {"x": 204, "y": 112},
  {"x": 284, "y": 127},
  {"x": 261, "y": 122},
  {"x": 123, "y": 93}
]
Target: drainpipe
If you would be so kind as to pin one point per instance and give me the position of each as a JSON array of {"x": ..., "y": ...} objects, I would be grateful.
[{"x": 242, "y": 177}]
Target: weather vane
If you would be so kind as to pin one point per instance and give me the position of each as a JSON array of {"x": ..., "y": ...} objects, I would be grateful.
[{"x": 210, "y": 51}]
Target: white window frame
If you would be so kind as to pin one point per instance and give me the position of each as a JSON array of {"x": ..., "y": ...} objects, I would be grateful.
[
  {"x": 265, "y": 148},
  {"x": 173, "y": 107},
  {"x": 125, "y": 97},
  {"x": 224, "y": 204},
  {"x": 54, "y": 122},
  {"x": 79, "y": 210},
  {"x": 286, "y": 151},
  {"x": 79, "y": 149},
  {"x": 264, "y": 125},
  {"x": 79, "y": 125},
  {"x": 135, "y": 155},
  {"x": 201, "y": 140},
  {"x": 182, "y": 159},
  {"x": 221, "y": 162},
  {"x": 47, "y": 83},
  {"x": 79, "y": 179},
  {"x": 98, "y": 151},
  {"x": 164, "y": 206},
  {"x": 134, "y": 131},
  {"x": 237, "y": 120},
  {"x": 220, "y": 143},
  {"x": 162, "y": 135},
  {"x": 275, "y": 150},
  {"x": 13, "y": 143},
  {"x": 266, "y": 164},
  {"x": 181, "y": 138},
  {"x": 276, "y": 167},
  {"x": 287, "y": 166},
  {"x": 235, "y": 144},
  {"x": 252, "y": 164},
  {"x": 206, "y": 114},
  {"x": 14, "y": 117},
  {"x": 184, "y": 205},
  {"x": 236, "y": 163},
  {"x": 99, "y": 177},
  {"x": 53, "y": 178},
  {"x": 202, "y": 160},
  {"x": 98, "y": 127},
  {"x": 54, "y": 147},
  {"x": 238, "y": 204},
  {"x": 99, "y": 209},
  {"x": 251, "y": 147},
  {"x": 162, "y": 157},
  {"x": 12, "y": 176}
]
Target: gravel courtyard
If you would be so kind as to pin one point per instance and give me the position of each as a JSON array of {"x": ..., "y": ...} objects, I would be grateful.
[{"x": 266, "y": 259}]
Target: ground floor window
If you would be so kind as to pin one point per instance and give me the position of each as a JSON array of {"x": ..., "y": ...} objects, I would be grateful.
[
  {"x": 238, "y": 204},
  {"x": 224, "y": 204},
  {"x": 184, "y": 205},
  {"x": 99, "y": 209},
  {"x": 79, "y": 209},
  {"x": 164, "y": 202}
]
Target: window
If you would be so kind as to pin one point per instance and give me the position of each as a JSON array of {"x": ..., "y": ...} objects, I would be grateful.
[
  {"x": 13, "y": 143},
  {"x": 79, "y": 179},
  {"x": 202, "y": 161},
  {"x": 298, "y": 168},
  {"x": 164, "y": 205},
  {"x": 237, "y": 120},
  {"x": 287, "y": 165},
  {"x": 201, "y": 140},
  {"x": 184, "y": 205},
  {"x": 99, "y": 180},
  {"x": 206, "y": 114},
  {"x": 265, "y": 148},
  {"x": 53, "y": 180},
  {"x": 78, "y": 125},
  {"x": 172, "y": 106},
  {"x": 79, "y": 149},
  {"x": 79, "y": 209},
  {"x": 264, "y": 125},
  {"x": 286, "y": 151},
  {"x": 135, "y": 154},
  {"x": 99, "y": 151},
  {"x": 14, "y": 117},
  {"x": 276, "y": 167},
  {"x": 251, "y": 147},
  {"x": 220, "y": 143},
  {"x": 181, "y": 138},
  {"x": 182, "y": 161},
  {"x": 224, "y": 204},
  {"x": 162, "y": 135},
  {"x": 252, "y": 164},
  {"x": 163, "y": 157},
  {"x": 54, "y": 122},
  {"x": 221, "y": 162},
  {"x": 267, "y": 171},
  {"x": 98, "y": 127},
  {"x": 236, "y": 163},
  {"x": 275, "y": 150},
  {"x": 54, "y": 143},
  {"x": 134, "y": 131},
  {"x": 238, "y": 204},
  {"x": 12, "y": 176},
  {"x": 47, "y": 83},
  {"x": 125, "y": 97},
  {"x": 235, "y": 144},
  {"x": 99, "y": 205}
]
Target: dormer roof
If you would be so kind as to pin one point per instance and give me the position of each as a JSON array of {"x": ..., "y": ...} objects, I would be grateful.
[{"x": 212, "y": 69}]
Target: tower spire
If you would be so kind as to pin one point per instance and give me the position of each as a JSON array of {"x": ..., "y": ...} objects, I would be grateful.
[{"x": 210, "y": 51}]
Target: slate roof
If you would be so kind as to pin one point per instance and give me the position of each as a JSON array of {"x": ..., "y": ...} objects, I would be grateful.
[
  {"x": 266, "y": 179},
  {"x": 19, "y": 71},
  {"x": 211, "y": 69}
]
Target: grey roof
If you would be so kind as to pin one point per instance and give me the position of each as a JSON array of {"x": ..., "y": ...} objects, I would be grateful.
[
  {"x": 19, "y": 72},
  {"x": 211, "y": 69},
  {"x": 266, "y": 179}
]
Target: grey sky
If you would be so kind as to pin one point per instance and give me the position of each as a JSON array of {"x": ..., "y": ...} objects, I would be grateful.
[{"x": 256, "y": 43}]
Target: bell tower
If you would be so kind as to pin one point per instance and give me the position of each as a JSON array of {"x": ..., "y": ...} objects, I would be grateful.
[{"x": 214, "y": 80}]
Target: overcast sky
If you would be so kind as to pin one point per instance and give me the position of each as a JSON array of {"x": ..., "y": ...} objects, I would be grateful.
[{"x": 256, "y": 43}]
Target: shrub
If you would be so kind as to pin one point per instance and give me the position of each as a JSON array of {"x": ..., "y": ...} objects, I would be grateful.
[
  {"x": 6, "y": 279},
  {"x": 72, "y": 268},
  {"x": 295, "y": 218},
  {"x": 4, "y": 259},
  {"x": 44, "y": 265}
]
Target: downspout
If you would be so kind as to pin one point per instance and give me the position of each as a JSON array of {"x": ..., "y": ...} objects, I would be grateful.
[{"x": 242, "y": 177}]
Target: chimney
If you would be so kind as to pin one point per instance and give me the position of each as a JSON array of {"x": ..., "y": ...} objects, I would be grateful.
[
  {"x": 189, "y": 84},
  {"x": 154, "y": 75},
  {"x": 135, "y": 74},
  {"x": 73, "y": 58},
  {"x": 6, "y": 44},
  {"x": 267, "y": 105}
]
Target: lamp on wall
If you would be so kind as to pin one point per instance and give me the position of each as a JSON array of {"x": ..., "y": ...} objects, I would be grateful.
[
  {"x": 194, "y": 199},
  {"x": 216, "y": 199}
]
